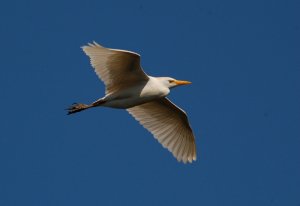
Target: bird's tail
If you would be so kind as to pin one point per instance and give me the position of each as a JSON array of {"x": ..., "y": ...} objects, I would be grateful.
[{"x": 77, "y": 107}]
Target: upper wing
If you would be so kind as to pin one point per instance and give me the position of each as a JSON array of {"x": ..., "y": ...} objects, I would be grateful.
[
  {"x": 116, "y": 68},
  {"x": 169, "y": 125}
]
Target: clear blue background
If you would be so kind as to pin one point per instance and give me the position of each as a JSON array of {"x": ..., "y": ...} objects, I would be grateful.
[{"x": 243, "y": 60}]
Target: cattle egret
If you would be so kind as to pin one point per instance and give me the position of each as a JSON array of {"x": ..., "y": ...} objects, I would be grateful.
[{"x": 144, "y": 97}]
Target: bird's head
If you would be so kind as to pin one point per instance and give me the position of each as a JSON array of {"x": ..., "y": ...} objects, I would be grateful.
[{"x": 171, "y": 82}]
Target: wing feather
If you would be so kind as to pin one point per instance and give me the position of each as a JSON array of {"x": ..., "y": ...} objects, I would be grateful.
[
  {"x": 169, "y": 125},
  {"x": 116, "y": 68}
]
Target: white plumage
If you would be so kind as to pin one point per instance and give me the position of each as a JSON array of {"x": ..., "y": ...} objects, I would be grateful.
[{"x": 144, "y": 97}]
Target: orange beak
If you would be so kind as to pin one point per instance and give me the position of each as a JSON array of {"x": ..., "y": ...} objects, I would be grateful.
[{"x": 179, "y": 82}]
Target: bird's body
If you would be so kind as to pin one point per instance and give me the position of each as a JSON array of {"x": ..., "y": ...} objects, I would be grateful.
[
  {"x": 135, "y": 95},
  {"x": 143, "y": 96}
]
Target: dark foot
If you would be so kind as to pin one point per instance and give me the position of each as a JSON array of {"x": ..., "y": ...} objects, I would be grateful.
[{"x": 77, "y": 108}]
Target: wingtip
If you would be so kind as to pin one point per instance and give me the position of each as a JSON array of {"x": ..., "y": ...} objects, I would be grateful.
[
  {"x": 94, "y": 44},
  {"x": 84, "y": 47},
  {"x": 186, "y": 161},
  {"x": 189, "y": 159}
]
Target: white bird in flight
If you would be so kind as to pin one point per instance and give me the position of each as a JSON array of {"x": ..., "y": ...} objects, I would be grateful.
[{"x": 143, "y": 96}]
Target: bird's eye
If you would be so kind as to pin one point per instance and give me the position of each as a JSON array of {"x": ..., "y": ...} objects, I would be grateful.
[{"x": 171, "y": 81}]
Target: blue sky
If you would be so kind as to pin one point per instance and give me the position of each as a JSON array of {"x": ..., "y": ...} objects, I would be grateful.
[{"x": 243, "y": 60}]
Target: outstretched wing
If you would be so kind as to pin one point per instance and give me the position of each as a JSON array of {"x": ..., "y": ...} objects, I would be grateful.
[
  {"x": 118, "y": 69},
  {"x": 169, "y": 125}
]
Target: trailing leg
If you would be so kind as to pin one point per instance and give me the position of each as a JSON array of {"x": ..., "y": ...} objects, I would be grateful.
[{"x": 77, "y": 107}]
